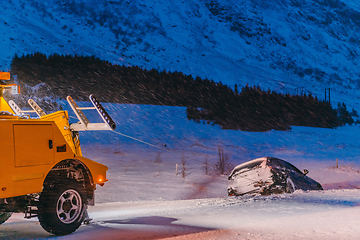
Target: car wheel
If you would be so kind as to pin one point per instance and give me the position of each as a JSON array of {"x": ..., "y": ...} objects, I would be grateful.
[
  {"x": 4, "y": 216},
  {"x": 290, "y": 186},
  {"x": 61, "y": 208}
]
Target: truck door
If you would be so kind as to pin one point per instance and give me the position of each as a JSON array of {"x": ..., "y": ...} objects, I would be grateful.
[{"x": 33, "y": 145}]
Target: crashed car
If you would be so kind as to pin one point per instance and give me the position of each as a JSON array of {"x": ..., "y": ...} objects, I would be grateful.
[{"x": 267, "y": 176}]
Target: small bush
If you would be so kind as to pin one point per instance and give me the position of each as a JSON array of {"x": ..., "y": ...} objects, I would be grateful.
[
  {"x": 223, "y": 165},
  {"x": 206, "y": 166},
  {"x": 183, "y": 163},
  {"x": 158, "y": 158}
]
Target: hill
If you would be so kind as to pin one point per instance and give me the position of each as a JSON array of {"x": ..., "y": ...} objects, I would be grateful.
[{"x": 283, "y": 45}]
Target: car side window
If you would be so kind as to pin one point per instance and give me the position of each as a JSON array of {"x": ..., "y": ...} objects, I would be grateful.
[
  {"x": 275, "y": 163},
  {"x": 284, "y": 166},
  {"x": 292, "y": 167}
]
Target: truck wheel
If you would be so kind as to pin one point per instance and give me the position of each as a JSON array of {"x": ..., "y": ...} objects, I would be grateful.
[
  {"x": 4, "y": 216},
  {"x": 61, "y": 208}
]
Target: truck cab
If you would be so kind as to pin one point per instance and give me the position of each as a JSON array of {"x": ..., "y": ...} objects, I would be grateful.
[{"x": 43, "y": 172}]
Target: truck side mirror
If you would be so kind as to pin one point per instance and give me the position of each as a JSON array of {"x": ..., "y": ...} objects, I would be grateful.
[{"x": 305, "y": 171}]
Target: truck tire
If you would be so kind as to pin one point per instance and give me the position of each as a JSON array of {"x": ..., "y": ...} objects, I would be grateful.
[
  {"x": 4, "y": 216},
  {"x": 61, "y": 208}
]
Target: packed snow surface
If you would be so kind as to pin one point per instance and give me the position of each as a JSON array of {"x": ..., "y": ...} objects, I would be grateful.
[{"x": 145, "y": 198}]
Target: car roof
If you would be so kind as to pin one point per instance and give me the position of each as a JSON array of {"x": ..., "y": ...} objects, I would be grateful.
[
  {"x": 246, "y": 164},
  {"x": 269, "y": 161}
]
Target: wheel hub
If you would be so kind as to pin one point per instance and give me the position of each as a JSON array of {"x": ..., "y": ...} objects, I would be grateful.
[{"x": 69, "y": 206}]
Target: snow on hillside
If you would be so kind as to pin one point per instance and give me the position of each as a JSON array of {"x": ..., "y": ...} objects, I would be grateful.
[{"x": 289, "y": 46}]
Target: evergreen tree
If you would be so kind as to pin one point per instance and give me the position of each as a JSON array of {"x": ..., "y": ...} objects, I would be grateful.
[
  {"x": 343, "y": 115},
  {"x": 354, "y": 113}
]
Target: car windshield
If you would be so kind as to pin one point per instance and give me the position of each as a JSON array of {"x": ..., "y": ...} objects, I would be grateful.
[{"x": 283, "y": 165}]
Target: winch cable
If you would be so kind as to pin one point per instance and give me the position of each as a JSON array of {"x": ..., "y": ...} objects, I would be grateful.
[
  {"x": 168, "y": 150},
  {"x": 161, "y": 148},
  {"x": 152, "y": 145}
]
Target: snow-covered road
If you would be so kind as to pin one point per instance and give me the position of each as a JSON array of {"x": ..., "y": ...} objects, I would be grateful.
[{"x": 331, "y": 214}]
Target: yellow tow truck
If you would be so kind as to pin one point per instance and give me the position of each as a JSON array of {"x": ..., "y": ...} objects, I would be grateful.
[{"x": 43, "y": 172}]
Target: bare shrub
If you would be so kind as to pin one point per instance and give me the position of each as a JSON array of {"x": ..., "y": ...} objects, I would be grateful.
[
  {"x": 183, "y": 163},
  {"x": 223, "y": 165},
  {"x": 206, "y": 166},
  {"x": 158, "y": 158}
]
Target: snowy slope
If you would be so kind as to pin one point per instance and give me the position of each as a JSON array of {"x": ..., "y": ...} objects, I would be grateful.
[{"x": 289, "y": 45}]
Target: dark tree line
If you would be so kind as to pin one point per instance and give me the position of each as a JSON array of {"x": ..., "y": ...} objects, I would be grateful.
[
  {"x": 256, "y": 110},
  {"x": 252, "y": 109},
  {"x": 80, "y": 76}
]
